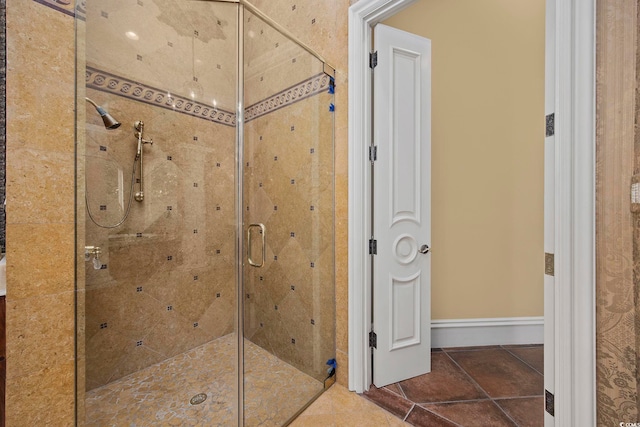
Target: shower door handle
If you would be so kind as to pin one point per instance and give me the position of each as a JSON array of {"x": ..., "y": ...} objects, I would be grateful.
[{"x": 263, "y": 233}]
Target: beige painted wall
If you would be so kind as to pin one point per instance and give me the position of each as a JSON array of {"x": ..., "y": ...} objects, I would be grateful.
[{"x": 487, "y": 171}]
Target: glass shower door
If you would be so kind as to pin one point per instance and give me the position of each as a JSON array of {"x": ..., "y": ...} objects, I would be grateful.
[
  {"x": 205, "y": 251},
  {"x": 157, "y": 225},
  {"x": 288, "y": 207}
]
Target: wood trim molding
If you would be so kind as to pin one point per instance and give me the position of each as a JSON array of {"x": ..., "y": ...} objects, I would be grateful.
[
  {"x": 575, "y": 401},
  {"x": 493, "y": 331}
]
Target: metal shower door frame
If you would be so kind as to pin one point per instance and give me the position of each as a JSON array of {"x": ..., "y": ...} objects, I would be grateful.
[{"x": 239, "y": 175}]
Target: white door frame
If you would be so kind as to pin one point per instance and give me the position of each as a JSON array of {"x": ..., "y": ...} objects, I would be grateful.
[{"x": 575, "y": 402}]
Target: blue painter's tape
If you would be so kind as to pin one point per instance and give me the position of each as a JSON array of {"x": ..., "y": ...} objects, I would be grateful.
[
  {"x": 332, "y": 85},
  {"x": 332, "y": 107},
  {"x": 332, "y": 366}
]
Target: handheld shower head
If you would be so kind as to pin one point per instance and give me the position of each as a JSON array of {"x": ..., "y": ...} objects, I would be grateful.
[{"x": 109, "y": 121}]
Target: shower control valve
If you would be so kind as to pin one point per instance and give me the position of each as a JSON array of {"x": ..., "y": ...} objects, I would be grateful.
[
  {"x": 94, "y": 251},
  {"x": 91, "y": 250}
]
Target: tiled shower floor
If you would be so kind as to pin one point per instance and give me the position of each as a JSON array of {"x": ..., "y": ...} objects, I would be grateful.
[
  {"x": 159, "y": 395},
  {"x": 484, "y": 386}
]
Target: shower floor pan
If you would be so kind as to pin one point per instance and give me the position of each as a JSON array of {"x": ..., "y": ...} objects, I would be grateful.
[{"x": 159, "y": 395}]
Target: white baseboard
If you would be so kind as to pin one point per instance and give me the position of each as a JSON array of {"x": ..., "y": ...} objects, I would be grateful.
[{"x": 498, "y": 331}]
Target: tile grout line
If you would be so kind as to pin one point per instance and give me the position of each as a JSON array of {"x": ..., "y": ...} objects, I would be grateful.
[
  {"x": 493, "y": 400},
  {"x": 522, "y": 360},
  {"x": 485, "y": 392},
  {"x": 468, "y": 375},
  {"x": 432, "y": 413},
  {"x": 505, "y": 413},
  {"x": 384, "y": 406},
  {"x": 511, "y": 398},
  {"x": 451, "y": 401},
  {"x": 507, "y": 397},
  {"x": 408, "y": 412},
  {"x": 402, "y": 391},
  {"x": 472, "y": 380},
  {"x": 518, "y": 397},
  {"x": 464, "y": 349}
]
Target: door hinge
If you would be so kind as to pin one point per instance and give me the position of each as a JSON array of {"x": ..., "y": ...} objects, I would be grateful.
[
  {"x": 373, "y": 153},
  {"x": 550, "y": 121},
  {"x": 373, "y": 59},
  {"x": 373, "y": 339},
  {"x": 549, "y": 402},
  {"x": 373, "y": 247},
  {"x": 549, "y": 262}
]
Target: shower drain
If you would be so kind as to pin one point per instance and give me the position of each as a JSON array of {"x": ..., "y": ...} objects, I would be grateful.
[{"x": 198, "y": 398}]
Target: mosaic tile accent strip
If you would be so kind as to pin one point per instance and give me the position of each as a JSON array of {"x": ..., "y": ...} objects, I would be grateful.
[
  {"x": 122, "y": 86},
  {"x": 117, "y": 85},
  {"x": 306, "y": 88}
]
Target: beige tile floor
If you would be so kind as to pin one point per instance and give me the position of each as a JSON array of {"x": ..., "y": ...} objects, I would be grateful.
[
  {"x": 338, "y": 407},
  {"x": 159, "y": 395}
]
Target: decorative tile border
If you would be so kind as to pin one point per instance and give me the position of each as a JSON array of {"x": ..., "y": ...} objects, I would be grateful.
[
  {"x": 122, "y": 86},
  {"x": 305, "y": 89}
]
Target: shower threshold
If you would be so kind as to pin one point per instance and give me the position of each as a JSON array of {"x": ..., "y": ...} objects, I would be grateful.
[{"x": 160, "y": 394}]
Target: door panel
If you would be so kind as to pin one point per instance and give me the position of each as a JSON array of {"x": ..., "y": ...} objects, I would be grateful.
[
  {"x": 402, "y": 198},
  {"x": 288, "y": 219},
  {"x": 405, "y": 303}
]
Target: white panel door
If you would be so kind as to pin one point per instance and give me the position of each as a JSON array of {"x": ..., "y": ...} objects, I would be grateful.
[{"x": 402, "y": 206}]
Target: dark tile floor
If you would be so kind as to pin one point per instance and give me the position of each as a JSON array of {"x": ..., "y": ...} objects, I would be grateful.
[{"x": 473, "y": 386}]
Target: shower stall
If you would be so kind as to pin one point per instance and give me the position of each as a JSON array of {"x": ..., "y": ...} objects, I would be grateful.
[{"x": 205, "y": 216}]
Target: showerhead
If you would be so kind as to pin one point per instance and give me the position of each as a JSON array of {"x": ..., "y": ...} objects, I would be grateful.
[{"x": 109, "y": 121}]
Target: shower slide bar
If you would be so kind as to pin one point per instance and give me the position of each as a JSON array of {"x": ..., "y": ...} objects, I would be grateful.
[
  {"x": 139, "y": 127},
  {"x": 327, "y": 68}
]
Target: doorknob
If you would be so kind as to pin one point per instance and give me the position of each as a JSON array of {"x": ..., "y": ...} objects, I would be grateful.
[{"x": 424, "y": 249}]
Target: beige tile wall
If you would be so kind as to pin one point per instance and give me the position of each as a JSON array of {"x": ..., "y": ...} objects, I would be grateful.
[
  {"x": 186, "y": 48},
  {"x": 40, "y": 215},
  {"x": 40, "y": 205},
  {"x": 167, "y": 282}
]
